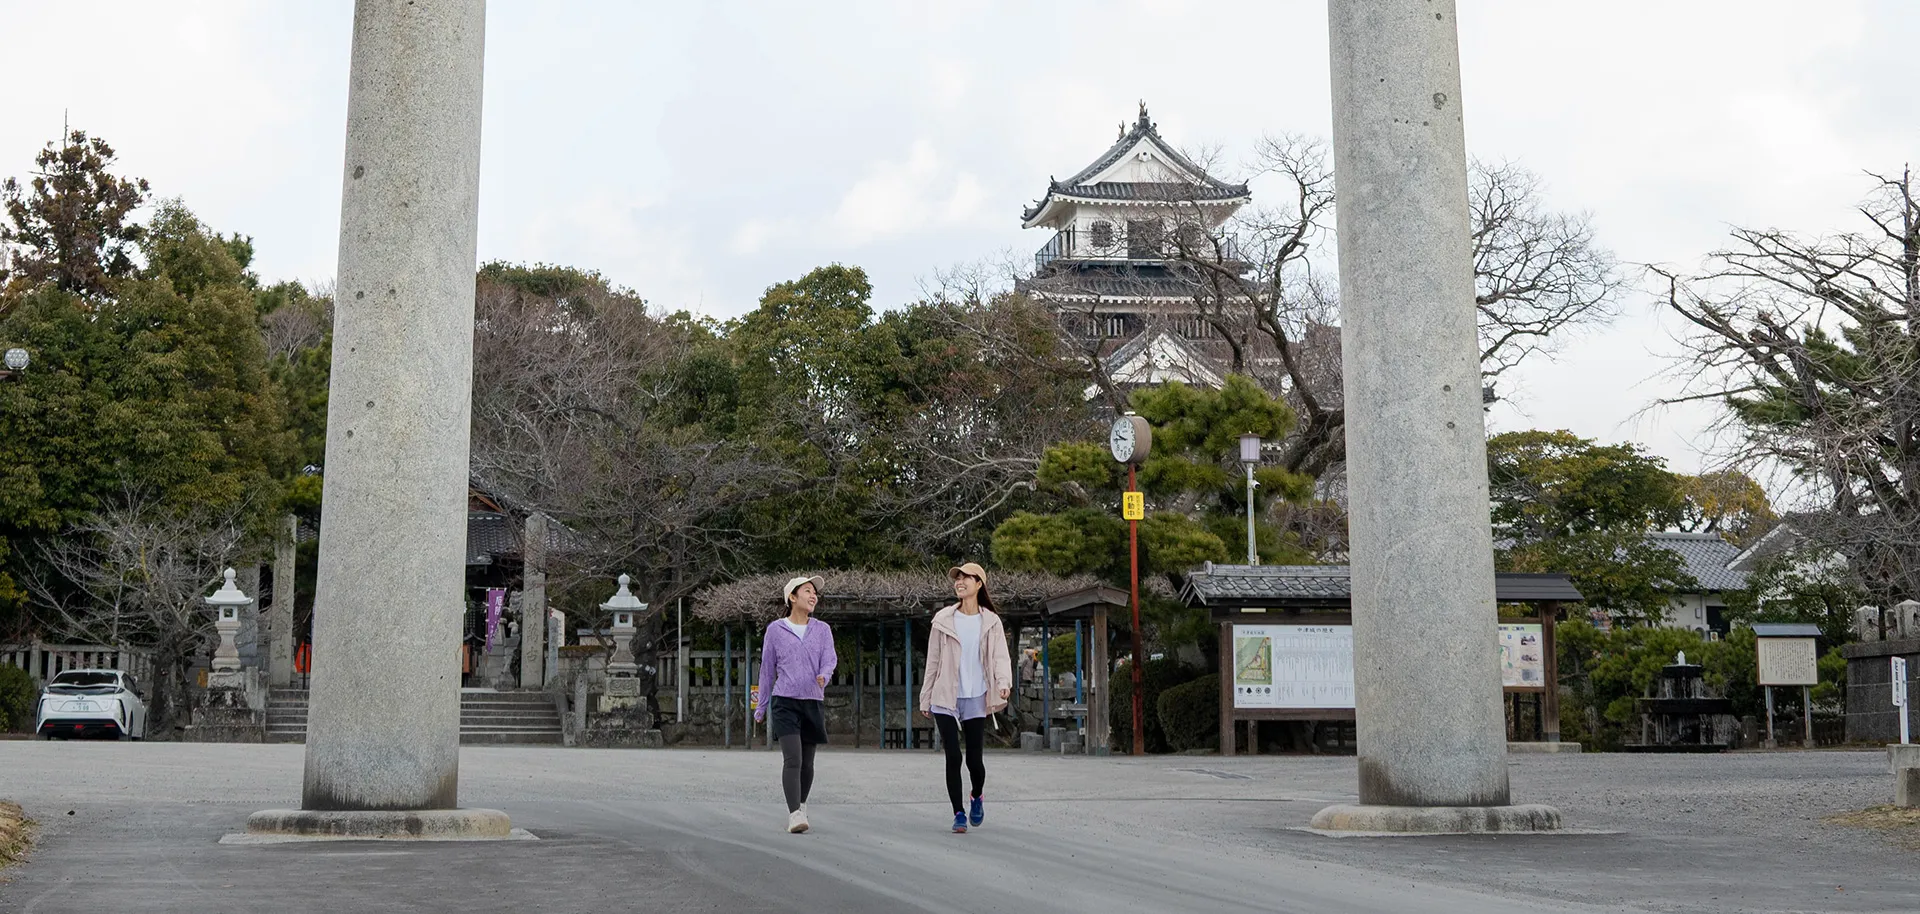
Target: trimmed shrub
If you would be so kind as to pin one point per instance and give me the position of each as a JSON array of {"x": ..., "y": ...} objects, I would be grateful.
[
  {"x": 1060, "y": 655},
  {"x": 17, "y": 698},
  {"x": 1190, "y": 714},
  {"x": 1158, "y": 676}
]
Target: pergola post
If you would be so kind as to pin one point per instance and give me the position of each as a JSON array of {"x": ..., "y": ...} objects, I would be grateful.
[
  {"x": 1550, "y": 658},
  {"x": 1099, "y": 726}
]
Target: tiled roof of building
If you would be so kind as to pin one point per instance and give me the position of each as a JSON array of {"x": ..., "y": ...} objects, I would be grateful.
[
  {"x": 1706, "y": 557},
  {"x": 1330, "y": 585},
  {"x": 1077, "y": 280},
  {"x": 492, "y": 536},
  {"x": 1204, "y": 186}
]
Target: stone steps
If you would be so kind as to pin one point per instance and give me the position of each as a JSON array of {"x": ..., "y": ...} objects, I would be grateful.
[{"x": 486, "y": 718}]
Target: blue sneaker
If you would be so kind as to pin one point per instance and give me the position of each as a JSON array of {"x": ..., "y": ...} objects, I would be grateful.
[
  {"x": 979, "y": 813},
  {"x": 959, "y": 823}
]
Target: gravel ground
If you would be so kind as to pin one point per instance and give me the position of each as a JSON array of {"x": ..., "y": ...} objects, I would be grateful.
[{"x": 701, "y": 829}]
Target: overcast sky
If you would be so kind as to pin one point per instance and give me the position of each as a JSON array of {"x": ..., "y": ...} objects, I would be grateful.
[{"x": 699, "y": 152}]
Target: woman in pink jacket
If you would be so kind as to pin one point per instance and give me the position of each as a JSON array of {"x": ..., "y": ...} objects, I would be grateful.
[{"x": 969, "y": 676}]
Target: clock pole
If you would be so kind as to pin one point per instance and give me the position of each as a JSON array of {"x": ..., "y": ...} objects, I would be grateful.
[
  {"x": 1131, "y": 441},
  {"x": 1139, "y": 675}
]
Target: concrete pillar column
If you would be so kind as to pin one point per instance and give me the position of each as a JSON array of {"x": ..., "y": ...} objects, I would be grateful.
[
  {"x": 248, "y": 640},
  {"x": 533, "y": 603},
  {"x": 384, "y": 713},
  {"x": 280, "y": 613},
  {"x": 1427, "y": 681}
]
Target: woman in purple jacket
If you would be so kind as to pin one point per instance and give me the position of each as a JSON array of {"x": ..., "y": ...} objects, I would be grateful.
[{"x": 796, "y": 663}]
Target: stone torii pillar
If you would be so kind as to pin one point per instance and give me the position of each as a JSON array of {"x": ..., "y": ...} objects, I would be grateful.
[
  {"x": 383, "y": 743},
  {"x": 1431, "y": 732}
]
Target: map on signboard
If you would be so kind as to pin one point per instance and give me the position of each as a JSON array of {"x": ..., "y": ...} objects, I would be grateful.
[
  {"x": 1292, "y": 666},
  {"x": 1522, "y": 657},
  {"x": 1253, "y": 660}
]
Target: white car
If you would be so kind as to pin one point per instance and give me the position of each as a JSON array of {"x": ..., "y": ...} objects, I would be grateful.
[{"x": 92, "y": 703}]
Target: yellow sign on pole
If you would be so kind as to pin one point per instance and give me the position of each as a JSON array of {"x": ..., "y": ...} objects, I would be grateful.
[{"x": 1133, "y": 506}]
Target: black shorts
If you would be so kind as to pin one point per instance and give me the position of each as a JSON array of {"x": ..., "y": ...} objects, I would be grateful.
[{"x": 805, "y": 716}]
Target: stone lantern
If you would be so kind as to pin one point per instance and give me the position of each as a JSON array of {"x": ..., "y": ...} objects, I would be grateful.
[
  {"x": 226, "y": 604},
  {"x": 622, "y": 684}
]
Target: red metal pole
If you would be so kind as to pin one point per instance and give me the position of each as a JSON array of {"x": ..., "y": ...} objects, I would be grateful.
[{"x": 1139, "y": 675}]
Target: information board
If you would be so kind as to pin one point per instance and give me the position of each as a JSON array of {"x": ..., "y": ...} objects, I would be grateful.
[
  {"x": 1788, "y": 662},
  {"x": 1292, "y": 666},
  {"x": 1522, "y": 657}
]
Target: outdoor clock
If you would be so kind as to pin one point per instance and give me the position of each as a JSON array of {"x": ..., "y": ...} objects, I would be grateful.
[{"x": 1131, "y": 439}]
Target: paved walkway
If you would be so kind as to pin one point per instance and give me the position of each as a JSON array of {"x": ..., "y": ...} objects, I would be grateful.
[{"x": 135, "y": 827}]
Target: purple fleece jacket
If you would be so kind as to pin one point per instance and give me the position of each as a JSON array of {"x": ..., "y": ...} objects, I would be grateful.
[{"x": 789, "y": 664}]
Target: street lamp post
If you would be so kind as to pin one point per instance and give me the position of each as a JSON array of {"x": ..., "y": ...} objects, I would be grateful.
[
  {"x": 1249, "y": 456},
  {"x": 16, "y": 361}
]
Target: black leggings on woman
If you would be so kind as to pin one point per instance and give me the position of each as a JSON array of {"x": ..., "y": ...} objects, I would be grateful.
[
  {"x": 796, "y": 774},
  {"x": 976, "y": 742}
]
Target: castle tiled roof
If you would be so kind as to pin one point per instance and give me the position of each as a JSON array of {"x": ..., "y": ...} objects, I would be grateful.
[
  {"x": 1203, "y": 187},
  {"x": 1076, "y": 280}
]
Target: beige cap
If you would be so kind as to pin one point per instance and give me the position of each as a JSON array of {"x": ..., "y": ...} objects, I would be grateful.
[
  {"x": 816, "y": 581},
  {"x": 971, "y": 569}
]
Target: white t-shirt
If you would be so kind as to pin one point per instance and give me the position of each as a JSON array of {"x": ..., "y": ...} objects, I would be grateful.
[
  {"x": 973, "y": 676},
  {"x": 799, "y": 631}
]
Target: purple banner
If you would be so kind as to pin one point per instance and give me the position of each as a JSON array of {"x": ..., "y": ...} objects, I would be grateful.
[{"x": 496, "y": 603}]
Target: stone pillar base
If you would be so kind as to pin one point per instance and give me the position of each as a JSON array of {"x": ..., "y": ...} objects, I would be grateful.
[
  {"x": 1905, "y": 761},
  {"x": 1437, "y": 820},
  {"x": 407, "y": 824}
]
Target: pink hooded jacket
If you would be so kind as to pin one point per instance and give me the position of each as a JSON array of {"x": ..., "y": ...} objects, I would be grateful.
[{"x": 941, "y": 689}]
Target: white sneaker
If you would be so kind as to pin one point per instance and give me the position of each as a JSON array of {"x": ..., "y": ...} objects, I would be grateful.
[
  {"x": 797, "y": 821},
  {"x": 803, "y": 809}
]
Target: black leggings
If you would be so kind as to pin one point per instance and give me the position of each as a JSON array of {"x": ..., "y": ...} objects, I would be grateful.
[
  {"x": 976, "y": 734},
  {"x": 796, "y": 776}
]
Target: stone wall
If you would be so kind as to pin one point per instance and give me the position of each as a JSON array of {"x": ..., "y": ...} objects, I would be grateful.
[{"x": 1871, "y": 714}]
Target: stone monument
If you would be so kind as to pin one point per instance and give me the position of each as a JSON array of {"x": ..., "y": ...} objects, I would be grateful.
[
  {"x": 533, "y": 603},
  {"x": 383, "y": 738},
  {"x": 1431, "y": 730},
  {"x": 280, "y": 615}
]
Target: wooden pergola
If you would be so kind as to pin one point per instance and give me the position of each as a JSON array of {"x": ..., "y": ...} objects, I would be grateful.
[
  {"x": 853, "y": 600},
  {"x": 1323, "y": 595},
  {"x": 1090, "y": 605}
]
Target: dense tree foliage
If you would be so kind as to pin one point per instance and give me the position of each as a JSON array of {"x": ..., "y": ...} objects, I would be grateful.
[{"x": 1563, "y": 503}]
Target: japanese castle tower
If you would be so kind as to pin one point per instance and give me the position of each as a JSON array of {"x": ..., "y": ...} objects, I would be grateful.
[{"x": 1116, "y": 271}]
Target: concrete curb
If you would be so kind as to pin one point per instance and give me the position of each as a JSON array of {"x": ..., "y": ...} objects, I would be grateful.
[
  {"x": 1438, "y": 820},
  {"x": 1543, "y": 748},
  {"x": 407, "y": 824}
]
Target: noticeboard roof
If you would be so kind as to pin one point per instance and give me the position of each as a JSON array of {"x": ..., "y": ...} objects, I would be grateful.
[
  {"x": 1329, "y": 586},
  {"x": 1786, "y": 630}
]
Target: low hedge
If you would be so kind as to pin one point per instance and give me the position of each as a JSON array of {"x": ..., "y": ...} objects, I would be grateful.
[
  {"x": 17, "y": 698},
  {"x": 1190, "y": 714}
]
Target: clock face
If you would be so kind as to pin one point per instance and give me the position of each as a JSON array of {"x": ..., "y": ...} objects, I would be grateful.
[{"x": 1121, "y": 441}]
